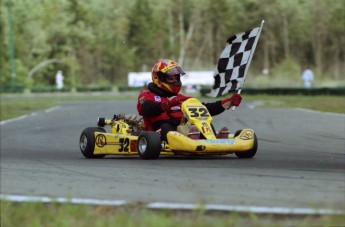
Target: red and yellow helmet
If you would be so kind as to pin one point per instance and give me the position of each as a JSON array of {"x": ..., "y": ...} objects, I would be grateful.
[{"x": 164, "y": 69}]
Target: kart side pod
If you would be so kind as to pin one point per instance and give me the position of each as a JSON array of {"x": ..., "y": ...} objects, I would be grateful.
[{"x": 243, "y": 142}]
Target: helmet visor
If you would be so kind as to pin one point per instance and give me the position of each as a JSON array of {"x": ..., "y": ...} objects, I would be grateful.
[{"x": 174, "y": 71}]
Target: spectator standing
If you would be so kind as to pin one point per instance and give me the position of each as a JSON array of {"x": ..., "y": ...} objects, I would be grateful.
[
  {"x": 307, "y": 77},
  {"x": 59, "y": 80}
]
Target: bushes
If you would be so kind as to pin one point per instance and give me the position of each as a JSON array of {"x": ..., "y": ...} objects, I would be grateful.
[
  {"x": 123, "y": 88},
  {"x": 93, "y": 88},
  {"x": 295, "y": 91},
  {"x": 204, "y": 90},
  {"x": 50, "y": 89},
  {"x": 47, "y": 89},
  {"x": 12, "y": 89},
  {"x": 340, "y": 91}
]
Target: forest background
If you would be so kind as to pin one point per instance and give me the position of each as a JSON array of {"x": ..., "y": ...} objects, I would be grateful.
[{"x": 97, "y": 42}]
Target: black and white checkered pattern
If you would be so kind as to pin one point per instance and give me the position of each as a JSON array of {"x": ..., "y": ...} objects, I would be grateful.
[{"x": 233, "y": 61}]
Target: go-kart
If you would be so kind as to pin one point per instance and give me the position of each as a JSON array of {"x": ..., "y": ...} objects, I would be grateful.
[{"x": 129, "y": 137}]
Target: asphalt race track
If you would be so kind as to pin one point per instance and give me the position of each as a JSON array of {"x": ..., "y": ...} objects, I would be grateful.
[{"x": 300, "y": 161}]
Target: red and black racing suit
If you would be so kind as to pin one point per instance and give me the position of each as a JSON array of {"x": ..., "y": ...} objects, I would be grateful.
[{"x": 150, "y": 107}]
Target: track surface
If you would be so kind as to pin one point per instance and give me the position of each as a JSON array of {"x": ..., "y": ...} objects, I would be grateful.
[{"x": 300, "y": 161}]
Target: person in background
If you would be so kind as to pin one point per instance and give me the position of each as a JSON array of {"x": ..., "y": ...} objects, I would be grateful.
[
  {"x": 59, "y": 80},
  {"x": 307, "y": 77},
  {"x": 160, "y": 105}
]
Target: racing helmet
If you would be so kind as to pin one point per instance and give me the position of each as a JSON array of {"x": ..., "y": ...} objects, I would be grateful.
[{"x": 162, "y": 70}]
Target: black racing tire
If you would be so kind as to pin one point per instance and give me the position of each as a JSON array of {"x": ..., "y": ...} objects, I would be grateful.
[
  {"x": 149, "y": 145},
  {"x": 87, "y": 142},
  {"x": 250, "y": 153}
]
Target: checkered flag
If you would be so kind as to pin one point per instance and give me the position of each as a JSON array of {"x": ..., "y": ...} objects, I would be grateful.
[{"x": 234, "y": 62}]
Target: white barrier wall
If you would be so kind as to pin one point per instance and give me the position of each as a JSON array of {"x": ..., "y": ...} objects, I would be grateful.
[{"x": 139, "y": 79}]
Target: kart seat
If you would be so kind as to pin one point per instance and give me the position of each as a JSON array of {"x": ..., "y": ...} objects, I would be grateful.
[
  {"x": 183, "y": 129},
  {"x": 223, "y": 133},
  {"x": 191, "y": 132}
]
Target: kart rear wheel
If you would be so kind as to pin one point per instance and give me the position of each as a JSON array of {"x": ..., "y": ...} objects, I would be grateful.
[
  {"x": 250, "y": 153},
  {"x": 87, "y": 142},
  {"x": 149, "y": 145}
]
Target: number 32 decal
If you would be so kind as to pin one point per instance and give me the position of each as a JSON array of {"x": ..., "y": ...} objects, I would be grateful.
[
  {"x": 198, "y": 112},
  {"x": 124, "y": 145}
]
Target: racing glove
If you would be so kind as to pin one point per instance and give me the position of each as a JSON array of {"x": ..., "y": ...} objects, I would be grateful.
[
  {"x": 173, "y": 101},
  {"x": 234, "y": 100}
]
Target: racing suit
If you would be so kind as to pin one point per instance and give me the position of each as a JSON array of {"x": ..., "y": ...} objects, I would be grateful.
[{"x": 158, "y": 116}]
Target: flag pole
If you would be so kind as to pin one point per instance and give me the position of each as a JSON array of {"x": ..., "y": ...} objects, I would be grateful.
[{"x": 250, "y": 58}]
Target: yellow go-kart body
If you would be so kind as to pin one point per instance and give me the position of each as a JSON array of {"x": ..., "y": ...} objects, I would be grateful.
[
  {"x": 195, "y": 113},
  {"x": 128, "y": 137}
]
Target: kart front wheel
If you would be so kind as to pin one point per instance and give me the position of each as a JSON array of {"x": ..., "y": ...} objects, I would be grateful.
[
  {"x": 250, "y": 153},
  {"x": 87, "y": 142},
  {"x": 149, "y": 145}
]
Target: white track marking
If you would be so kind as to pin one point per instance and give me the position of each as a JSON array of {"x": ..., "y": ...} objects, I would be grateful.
[
  {"x": 17, "y": 118},
  {"x": 253, "y": 105},
  {"x": 52, "y": 109},
  {"x": 178, "y": 206},
  {"x": 28, "y": 115},
  {"x": 319, "y": 112},
  {"x": 45, "y": 199},
  {"x": 250, "y": 209}
]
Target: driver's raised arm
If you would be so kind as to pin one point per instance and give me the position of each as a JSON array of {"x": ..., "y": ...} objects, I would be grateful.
[{"x": 219, "y": 106}]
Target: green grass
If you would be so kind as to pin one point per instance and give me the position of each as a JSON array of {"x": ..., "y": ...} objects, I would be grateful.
[
  {"x": 335, "y": 104},
  {"x": 14, "y": 106},
  {"x": 17, "y": 105},
  {"x": 56, "y": 214}
]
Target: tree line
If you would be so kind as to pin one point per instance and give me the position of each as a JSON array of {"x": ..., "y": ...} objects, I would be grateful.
[{"x": 100, "y": 41}]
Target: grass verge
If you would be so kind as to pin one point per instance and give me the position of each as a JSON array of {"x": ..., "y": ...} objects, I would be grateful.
[
  {"x": 17, "y": 105},
  {"x": 335, "y": 104},
  {"x": 57, "y": 214}
]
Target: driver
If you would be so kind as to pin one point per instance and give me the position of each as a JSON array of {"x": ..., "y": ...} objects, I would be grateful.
[{"x": 160, "y": 104}]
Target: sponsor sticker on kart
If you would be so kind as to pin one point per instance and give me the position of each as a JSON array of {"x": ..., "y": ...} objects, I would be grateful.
[
  {"x": 221, "y": 141},
  {"x": 101, "y": 141},
  {"x": 246, "y": 135}
]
